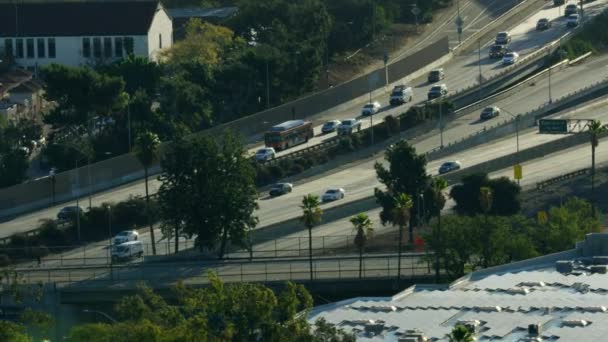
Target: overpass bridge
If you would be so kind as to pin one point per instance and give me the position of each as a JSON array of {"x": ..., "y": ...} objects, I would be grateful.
[{"x": 331, "y": 276}]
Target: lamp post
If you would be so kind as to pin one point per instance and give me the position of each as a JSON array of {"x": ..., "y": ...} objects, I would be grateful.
[
  {"x": 549, "y": 61},
  {"x": 52, "y": 180},
  {"x": 101, "y": 313},
  {"x": 517, "y": 118}
]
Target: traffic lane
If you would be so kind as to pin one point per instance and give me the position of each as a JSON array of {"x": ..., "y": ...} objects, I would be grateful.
[{"x": 360, "y": 180}]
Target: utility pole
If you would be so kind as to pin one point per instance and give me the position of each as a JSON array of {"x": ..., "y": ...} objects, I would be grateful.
[
  {"x": 78, "y": 201},
  {"x": 459, "y": 22},
  {"x": 371, "y": 115},
  {"x": 441, "y": 124},
  {"x": 129, "y": 121},
  {"x": 549, "y": 60},
  {"x": 479, "y": 64},
  {"x": 267, "y": 87}
]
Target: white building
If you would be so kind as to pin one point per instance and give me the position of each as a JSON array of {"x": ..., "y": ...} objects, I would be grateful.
[{"x": 82, "y": 33}]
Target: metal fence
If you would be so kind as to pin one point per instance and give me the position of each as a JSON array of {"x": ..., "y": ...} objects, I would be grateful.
[{"x": 380, "y": 266}]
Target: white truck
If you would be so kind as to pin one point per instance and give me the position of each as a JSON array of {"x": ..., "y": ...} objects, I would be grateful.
[{"x": 128, "y": 250}]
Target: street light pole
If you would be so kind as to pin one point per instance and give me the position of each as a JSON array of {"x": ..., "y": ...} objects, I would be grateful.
[
  {"x": 129, "y": 121},
  {"x": 517, "y": 119},
  {"x": 267, "y": 86},
  {"x": 371, "y": 115},
  {"x": 479, "y": 64},
  {"x": 78, "y": 202},
  {"x": 441, "y": 124},
  {"x": 549, "y": 59}
]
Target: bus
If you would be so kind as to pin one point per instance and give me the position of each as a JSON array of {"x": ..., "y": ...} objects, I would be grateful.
[{"x": 288, "y": 134}]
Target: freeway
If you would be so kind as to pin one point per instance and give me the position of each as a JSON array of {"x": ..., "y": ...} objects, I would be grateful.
[{"x": 460, "y": 72}]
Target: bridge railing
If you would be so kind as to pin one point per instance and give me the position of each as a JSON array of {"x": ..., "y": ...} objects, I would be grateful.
[{"x": 196, "y": 273}]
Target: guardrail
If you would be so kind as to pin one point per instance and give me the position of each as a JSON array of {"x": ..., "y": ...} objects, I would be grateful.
[
  {"x": 561, "y": 178},
  {"x": 581, "y": 58}
]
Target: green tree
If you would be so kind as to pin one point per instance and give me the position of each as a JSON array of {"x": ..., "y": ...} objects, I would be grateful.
[
  {"x": 438, "y": 186},
  {"x": 486, "y": 197},
  {"x": 312, "y": 215},
  {"x": 217, "y": 193},
  {"x": 364, "y": 228},
  {"x": 401, "y": 217},
  {"x": 460, "y": 333},
  {"x": 406, "y": 174},
  {"x": 595, "y": 130},
  {"x": 138, "y": 73},
  {"x": 466, "y": 195},
  {"x": 13, "y": 332},
  {"x": 146, "y": 149}
]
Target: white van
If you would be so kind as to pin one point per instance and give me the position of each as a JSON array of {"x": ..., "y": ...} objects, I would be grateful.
[
  {"x": 127, "y": 250},
  {"x": 401, "y": 94}
]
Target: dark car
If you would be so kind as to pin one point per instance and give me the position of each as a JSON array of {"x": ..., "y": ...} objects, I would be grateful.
[
  {"x": 280, "y": 189},
  {"x": 436, "y": 75},
  {"x": 570, "y": 9},
  {"x": 437, "y": 91},
  {"x": 449, "y": 166},
  {"x": 330, "y": 126},
  {"x": 543, "y": 24},
  {"x": 67, "y": 213},
  {"x": 498, "y": 51},
  {"x": 503, "y": 38},
  {"x": 489, "y": 113}
]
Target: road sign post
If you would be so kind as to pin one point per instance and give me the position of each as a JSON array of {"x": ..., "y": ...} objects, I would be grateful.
[
  {"x": 416, "y": 12},
  {"x": 553, "y": 126},
  {"x": 459, "y": 24},
  {"x": 517, "y": 172}
]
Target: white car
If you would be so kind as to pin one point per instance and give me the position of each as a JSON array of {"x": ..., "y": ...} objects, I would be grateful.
[
  {"x": 128, "y": 250},
  {"x": 333, "y": 194},
  {"x": 126, "y": 236},
  {"x": 573, "y": 20},
  {"x": 264, "y": 154},
  {"x": 371, "y": 108},
  {"x": 348, "y": 126},
  {"x": 510, "y": 58}
]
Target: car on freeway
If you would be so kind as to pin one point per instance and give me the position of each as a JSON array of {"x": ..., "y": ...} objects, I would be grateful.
[
  {"x": 333, "y": 194},
  {"x": 543, "y": 24},
  {"x": 67, "y": 213},
  {"x": 449, "y": 166},
  {"x": 573, "y": 20},
  {"x": 371, "y": 108},
  {"x": 503, "y": 38},
  {"x": 436, "y": 75},
  {"x": 401, "y": 94},
  {"x": 489, "y": 113},
  {"x": 280, "y": 189},
  {"x": 265, "y": 154},
  {"x": 330, "y": 126},
  {"x": 498, "y": 50},
  {"x": 128, "y": 250},
  {"x": 126, "y": 236},
  {"x": 570, "y": 9},
  {"x": 510, "y": 58},
  {"x": 437, "y": 91},
  {"x": 348, "y": 126}
]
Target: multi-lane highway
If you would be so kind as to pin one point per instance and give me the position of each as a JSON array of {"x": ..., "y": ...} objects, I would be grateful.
[{"x": 460, "y": 73}]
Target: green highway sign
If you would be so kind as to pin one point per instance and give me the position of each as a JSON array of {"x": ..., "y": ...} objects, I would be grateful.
[{"x": 553, "y": 126}]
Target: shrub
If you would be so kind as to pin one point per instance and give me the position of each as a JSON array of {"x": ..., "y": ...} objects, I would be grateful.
[
  {"x": 4, "y": 260},
  {"x": 346, "y": 144},
  {"x": 51, "y": 235},
  {"x": 132, "y": 212},
  {"x": 276, "y": 172},
  {"x": 392, "y": 125},
  {"x": 296, "y": 169},
  {"x": 95, "y": 225}
]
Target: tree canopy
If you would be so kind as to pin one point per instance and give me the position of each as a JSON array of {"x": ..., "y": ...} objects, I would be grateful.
[{"x": 466, "y": 195}]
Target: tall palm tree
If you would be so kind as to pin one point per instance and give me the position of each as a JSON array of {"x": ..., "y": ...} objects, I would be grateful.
[
  {"x": 460, "y": 333},
  {"x": 485, "y": 202},
  {"x": 363, "y": 226},
  {"x": 311, "y": 216},
  {"x": 595, "y": 129},
  {"x": 401, "y": 217},
  {"x": 438, "y": 185},
  {"x": 146, "y": 150}
]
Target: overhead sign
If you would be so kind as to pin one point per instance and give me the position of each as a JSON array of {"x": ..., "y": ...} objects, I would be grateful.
[
  {"x": 517, "y": 171},
  {"x": 555, "y": 126}
]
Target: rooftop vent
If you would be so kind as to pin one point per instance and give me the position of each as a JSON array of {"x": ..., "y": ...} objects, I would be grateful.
[
  {"x": 531, "y": 339},
  {"x": 533, "y": 284},
  {"x": 413, "y": 336},
  {"x": 600, "y": 260},
  {"x": 595, "y": 309},
  {"x": 383, "y": 308},
  {"x": 602, "y": 269},
  {"x": 534, "y": 330},
  {"x": 575, "y": 323},
  {"x": 518, "y": 291},
  {"x": 374, "y": 328},
  {"x": 563, "y": 266},
  {"x": 488, "y": 308}
]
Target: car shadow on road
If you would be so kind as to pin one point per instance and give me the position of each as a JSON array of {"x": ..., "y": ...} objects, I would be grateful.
[{"x": 485, "y": 60}]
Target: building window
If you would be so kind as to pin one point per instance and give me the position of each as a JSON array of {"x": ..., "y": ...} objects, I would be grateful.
[
  {"x": 19, "y": 48},
  {"x": 97, "y": 47},
  {"x": 86, "y": 47},
  {"x": 51, "y": 46},
  {"x": 8, "y": 47},
  {"x": 40, "y": 47},
  {"x": 129, "y": 45},
  {"x": 118, "y": 47},
  {"x": 107, "y": 47},
  {"x": 160, "y": 41},
  {"x": 30, "y": 47}
]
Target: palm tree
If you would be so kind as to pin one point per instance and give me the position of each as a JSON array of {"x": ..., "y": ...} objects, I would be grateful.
[
  {"x": 363, "y": 226},
  {"x": 311, "y": 216},
  {"x": 401, "y": 217},
  {"x": 595, "y": 129},
  {"x": 460, "y": 333},
  {"x": 485, "y": 202},
  {"x": 146, "y": 151},
  {"x": 438, "y": 185}
]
